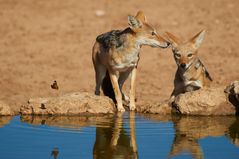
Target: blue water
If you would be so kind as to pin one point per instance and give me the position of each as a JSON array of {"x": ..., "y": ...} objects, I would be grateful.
[{"x": 89, "y": 137}]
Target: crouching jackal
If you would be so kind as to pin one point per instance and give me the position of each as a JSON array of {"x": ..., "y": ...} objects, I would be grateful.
[
  {"x": 191, "y": 74},
  {"x": 115, "y": 55}
]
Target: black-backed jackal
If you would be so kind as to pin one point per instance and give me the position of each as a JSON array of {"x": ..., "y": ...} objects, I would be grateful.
[
  {"x": 191, "y": 74},
  {"x": 115, "y": 56}
]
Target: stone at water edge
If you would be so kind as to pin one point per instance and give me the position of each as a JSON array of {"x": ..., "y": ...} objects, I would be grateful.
[
  {"x": 162, "y": 108},
  {"x": 233, "y": 93},
  {"x": 5, "y": 109},
  {"x": 69, "y": 104},
  {"x": 206, "y": 101}
]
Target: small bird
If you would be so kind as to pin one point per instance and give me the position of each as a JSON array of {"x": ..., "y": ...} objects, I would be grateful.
[
  {"x": 54, "y": 85},
  {"x": 54, "y": 153}
]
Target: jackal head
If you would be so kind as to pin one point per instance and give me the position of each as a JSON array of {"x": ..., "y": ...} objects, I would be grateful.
[
  {"x": 185, "y": 52},
  {"x": 144, "y": 32}
]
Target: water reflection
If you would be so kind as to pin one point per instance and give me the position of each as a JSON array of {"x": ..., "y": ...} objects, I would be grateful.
[
  {"x": 70, "y": 122},
  {"x": 115, "y": 135},
  {"x": 233, "y": 132},
  {"x": 55, "y": 152},
  {"x": 113, "y": 139},
  {"x": 188, "y": 131},
  {"x": 114, "y": 142},
  {"x": 4, "y": 120}
]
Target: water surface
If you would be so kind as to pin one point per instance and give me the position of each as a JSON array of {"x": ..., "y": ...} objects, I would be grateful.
[{"x": 118, "y": 136}]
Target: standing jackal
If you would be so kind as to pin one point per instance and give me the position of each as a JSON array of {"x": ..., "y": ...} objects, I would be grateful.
[
  {"x": 191, "y": 73},
  {"x": 115, "y": 55}
]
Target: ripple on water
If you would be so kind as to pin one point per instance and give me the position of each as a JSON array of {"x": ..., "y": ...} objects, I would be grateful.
[{"x": 154, "y": 136}]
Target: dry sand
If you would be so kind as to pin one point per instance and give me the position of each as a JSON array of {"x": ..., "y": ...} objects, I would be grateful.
[{"x": 42, "y": 41}]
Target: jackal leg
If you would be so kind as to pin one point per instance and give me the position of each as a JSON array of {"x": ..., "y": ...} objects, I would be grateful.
[
  {"x": 100, "y": 72},
  {"x": 118, "y": 95},
  {"x": 132, "y": 89},
  {"x": 175, "y": 93},
  {"x": 122, "y": 78}
]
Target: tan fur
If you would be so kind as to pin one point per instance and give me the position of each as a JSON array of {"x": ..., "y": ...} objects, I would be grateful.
[
  {"x": 118, "y": 53},
  {"x": 191, "y": 74}
]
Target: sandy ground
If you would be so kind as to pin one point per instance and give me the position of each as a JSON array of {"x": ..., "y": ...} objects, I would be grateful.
[{"x": 42, "y": 41}]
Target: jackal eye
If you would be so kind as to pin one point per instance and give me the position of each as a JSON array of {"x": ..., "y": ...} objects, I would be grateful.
[
  {"x": 177, "y": 55},
  {"x": 190, "y": 55},
  {"x": 153, "y": 33}
]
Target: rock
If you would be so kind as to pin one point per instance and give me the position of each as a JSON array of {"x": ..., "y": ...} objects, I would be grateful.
[
  {"x": 233, "y": 89},
  {"x": 69, "y": 104},
  {"x": 154, "y": 108},
  {"x": 5, "y": 109},
  {"x": 206, "y": 101},
  {"x": 233, "y": 93}
]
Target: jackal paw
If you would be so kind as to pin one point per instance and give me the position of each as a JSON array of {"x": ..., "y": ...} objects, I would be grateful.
[
  {"x": 132, "y": 107},
  {"x": 121, "y": 109},
  {"x": 171, "y": 100},
  {"x": 125, "y": 98}
]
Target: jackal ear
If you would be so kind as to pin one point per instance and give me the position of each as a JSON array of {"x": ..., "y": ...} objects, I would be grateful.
[
  {"x": 197, "y": 39},
  {"x": 140, "y": 16},
  {"x": 133, "y": 22},
  {"x": 173, "y": 40}
]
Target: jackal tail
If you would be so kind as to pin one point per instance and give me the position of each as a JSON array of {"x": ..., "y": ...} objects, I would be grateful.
[
  {"x": 208, "y": 75},
  {"x": 206, "y": 72},
  {"x": 107, "y": 87}
]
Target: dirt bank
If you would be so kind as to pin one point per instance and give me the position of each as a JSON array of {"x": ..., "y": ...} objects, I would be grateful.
[{"x": 42, "y": 41}]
